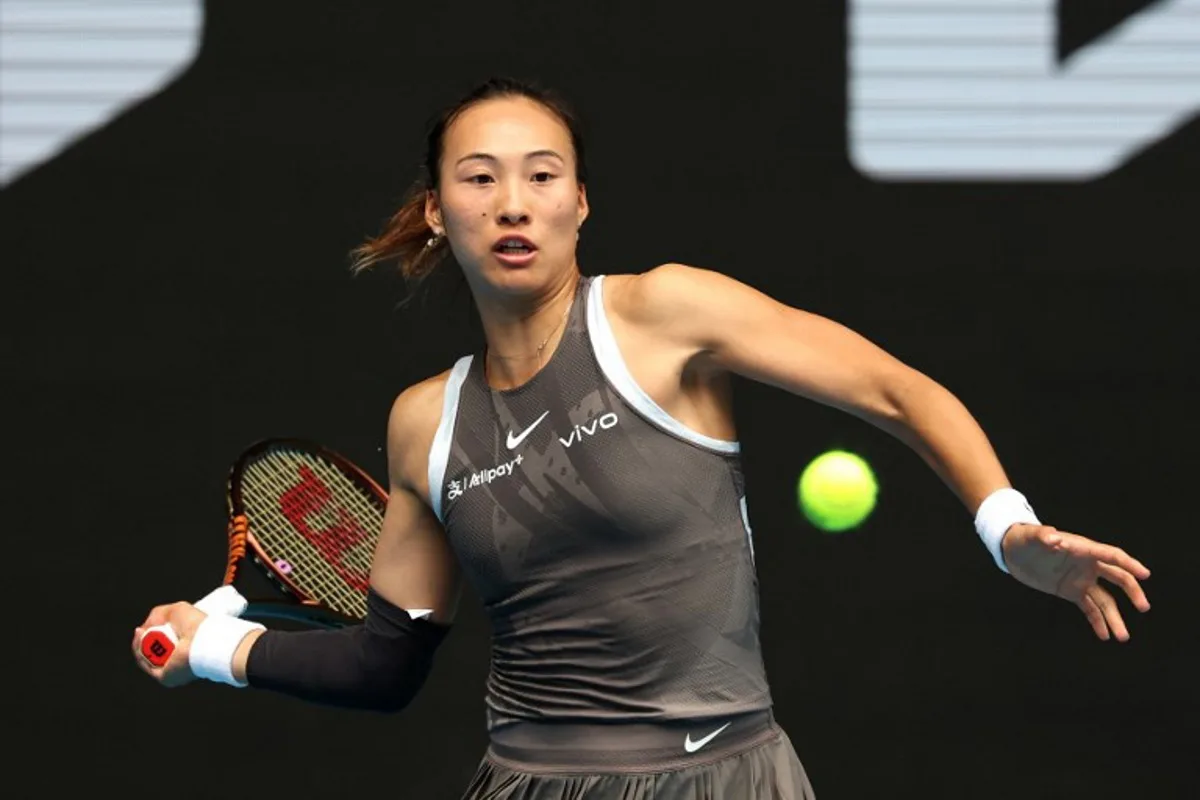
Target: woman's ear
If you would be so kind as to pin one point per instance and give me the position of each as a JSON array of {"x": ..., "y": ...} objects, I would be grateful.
[
  {"x": 433, "y": 212},
  {"x": 582, "y": 213}
]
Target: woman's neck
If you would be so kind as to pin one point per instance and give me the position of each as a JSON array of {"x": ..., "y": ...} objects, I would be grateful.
[{"x": 522, "y": 338}]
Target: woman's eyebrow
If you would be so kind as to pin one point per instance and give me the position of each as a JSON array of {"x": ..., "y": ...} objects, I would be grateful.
[{"x": 493, "y": 159}]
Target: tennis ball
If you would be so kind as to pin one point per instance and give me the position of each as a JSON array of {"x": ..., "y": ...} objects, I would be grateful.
[{"x": 837, "y": 491}]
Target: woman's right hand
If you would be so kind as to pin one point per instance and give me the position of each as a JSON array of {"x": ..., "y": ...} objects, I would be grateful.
[{"x": 184, "y": 619}]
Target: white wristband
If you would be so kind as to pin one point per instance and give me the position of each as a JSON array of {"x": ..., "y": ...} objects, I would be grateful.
[
  {"x": 213, "y": 645},
  {"x": 1001, "y": 510}
]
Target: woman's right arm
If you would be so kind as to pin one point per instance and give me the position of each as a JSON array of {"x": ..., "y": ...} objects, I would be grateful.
[{"x": 382, "y": 663}]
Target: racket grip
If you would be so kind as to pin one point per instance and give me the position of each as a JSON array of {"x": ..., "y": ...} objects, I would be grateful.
[{"x": 158, "y": 643}]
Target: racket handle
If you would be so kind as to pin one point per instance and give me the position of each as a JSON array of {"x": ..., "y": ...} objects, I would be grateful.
[{"x": 158, "y": 643}]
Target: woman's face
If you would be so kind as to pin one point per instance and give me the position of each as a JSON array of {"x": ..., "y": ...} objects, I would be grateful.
[{"x": 507, "y": 198}]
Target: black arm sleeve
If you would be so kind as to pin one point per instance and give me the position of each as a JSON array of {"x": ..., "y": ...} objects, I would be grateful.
[{"x": 379, "y": 665}]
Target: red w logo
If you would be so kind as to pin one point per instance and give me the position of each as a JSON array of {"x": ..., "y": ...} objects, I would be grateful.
[{"x": 311, "y": 496}]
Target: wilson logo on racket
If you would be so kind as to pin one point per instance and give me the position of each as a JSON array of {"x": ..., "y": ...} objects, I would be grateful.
[{"x": 341, "y": 532}]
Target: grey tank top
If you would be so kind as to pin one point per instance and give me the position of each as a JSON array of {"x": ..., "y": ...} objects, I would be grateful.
[{"x": 608, "y": 542}]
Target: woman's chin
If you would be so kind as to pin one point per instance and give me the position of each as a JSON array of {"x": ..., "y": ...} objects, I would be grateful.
[{"x": 510, "y": 277}]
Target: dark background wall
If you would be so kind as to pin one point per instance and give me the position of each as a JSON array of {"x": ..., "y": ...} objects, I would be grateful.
[{"x": 176, "y": 286}]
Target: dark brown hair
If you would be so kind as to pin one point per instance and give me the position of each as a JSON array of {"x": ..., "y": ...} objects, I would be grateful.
[{"x": 406, "y": 236}]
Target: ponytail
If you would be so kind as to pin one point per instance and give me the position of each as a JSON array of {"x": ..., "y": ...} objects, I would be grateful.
[{"x": 406, "y": 238}]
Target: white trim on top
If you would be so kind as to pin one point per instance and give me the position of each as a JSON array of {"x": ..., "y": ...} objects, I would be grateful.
[
  {"x": 604, "y": 344},
  {"x": 439, "y": 451}
]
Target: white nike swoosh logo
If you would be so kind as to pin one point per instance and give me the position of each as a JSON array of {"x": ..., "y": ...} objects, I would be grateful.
[
  {"x": 513, "y": 441},
  {"x": 692, "y": 747}
]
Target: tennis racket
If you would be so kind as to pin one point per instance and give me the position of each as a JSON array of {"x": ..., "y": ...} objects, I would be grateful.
[{"x": 309, "y": 520}]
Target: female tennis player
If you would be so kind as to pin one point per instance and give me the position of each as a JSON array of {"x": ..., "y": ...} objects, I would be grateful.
[{"x": 582, "y": 471}]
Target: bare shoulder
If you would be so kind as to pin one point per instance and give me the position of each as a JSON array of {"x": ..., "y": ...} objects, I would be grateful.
[
  {"x": 663, "y": 294},
  {"x": 412, "y": 425},
  {"x": 418, "y": 407}
]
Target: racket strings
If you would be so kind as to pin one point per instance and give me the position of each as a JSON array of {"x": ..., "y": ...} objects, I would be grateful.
[
  {"x": 317, "y": 525},
  {"x": 345, "y": 534},
  {"x": 312, "y": 567},
  {"x": 294, "y": 556},
  {"x": 237, "y": 546}
]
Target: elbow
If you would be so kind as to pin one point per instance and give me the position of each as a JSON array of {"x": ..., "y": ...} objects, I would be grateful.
[
  {"x": 903, "y": 398},
  {"x": 395, "y": 687},
  {"x": 377, "y": 697},
  {"x": 393, "y": 700}
]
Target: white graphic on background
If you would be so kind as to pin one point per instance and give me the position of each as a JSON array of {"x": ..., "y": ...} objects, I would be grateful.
[
  {"x": 604, "y": 422},
  {"x": 746, "y": 523},
  {"x": 483, "y": 477},
  {"x": 68, "y": 67},
  {"x": 513, "y": 441},
  {"x": 692, "y": 747},
  {"x": 973, "y": 89}
]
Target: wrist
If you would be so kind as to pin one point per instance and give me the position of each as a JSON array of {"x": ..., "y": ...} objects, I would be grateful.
[
  {"x": 242, "y": 654},
  {"x": 999, "y": 511},
  {"x": 214, "y": 646}
]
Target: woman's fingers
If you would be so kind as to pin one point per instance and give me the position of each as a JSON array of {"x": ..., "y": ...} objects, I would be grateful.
[
  {"x": 1082, "y": 546},
  {"x": 158, "y": 615},
  {"x": 1094, "y": 616},
  {"x": 1128, "y": 583},
  {"x": 1097, "y": 602}
]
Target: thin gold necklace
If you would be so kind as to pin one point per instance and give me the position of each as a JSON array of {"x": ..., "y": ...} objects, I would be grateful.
[{"x": 538, "y": 353}]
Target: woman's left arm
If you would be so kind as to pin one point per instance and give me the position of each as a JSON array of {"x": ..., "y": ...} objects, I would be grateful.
[{"x": 739, "y": 329}]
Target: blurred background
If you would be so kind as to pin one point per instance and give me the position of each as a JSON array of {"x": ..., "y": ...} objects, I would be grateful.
[{"x": 1002, "y": 193}]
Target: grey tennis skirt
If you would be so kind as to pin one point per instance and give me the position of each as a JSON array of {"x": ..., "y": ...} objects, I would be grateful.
[{"x": 748, "y": 758}]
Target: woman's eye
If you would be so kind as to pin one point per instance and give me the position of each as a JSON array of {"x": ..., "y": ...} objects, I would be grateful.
[
  {"x": 542, "y": 177},
  {"x": 480, "y": 179}
]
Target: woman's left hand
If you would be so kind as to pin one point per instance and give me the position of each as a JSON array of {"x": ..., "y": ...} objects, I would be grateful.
[{"x": 1069, "y": 566}]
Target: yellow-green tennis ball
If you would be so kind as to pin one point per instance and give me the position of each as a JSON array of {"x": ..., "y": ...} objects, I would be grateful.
[{"x": 837, "y": 491}]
